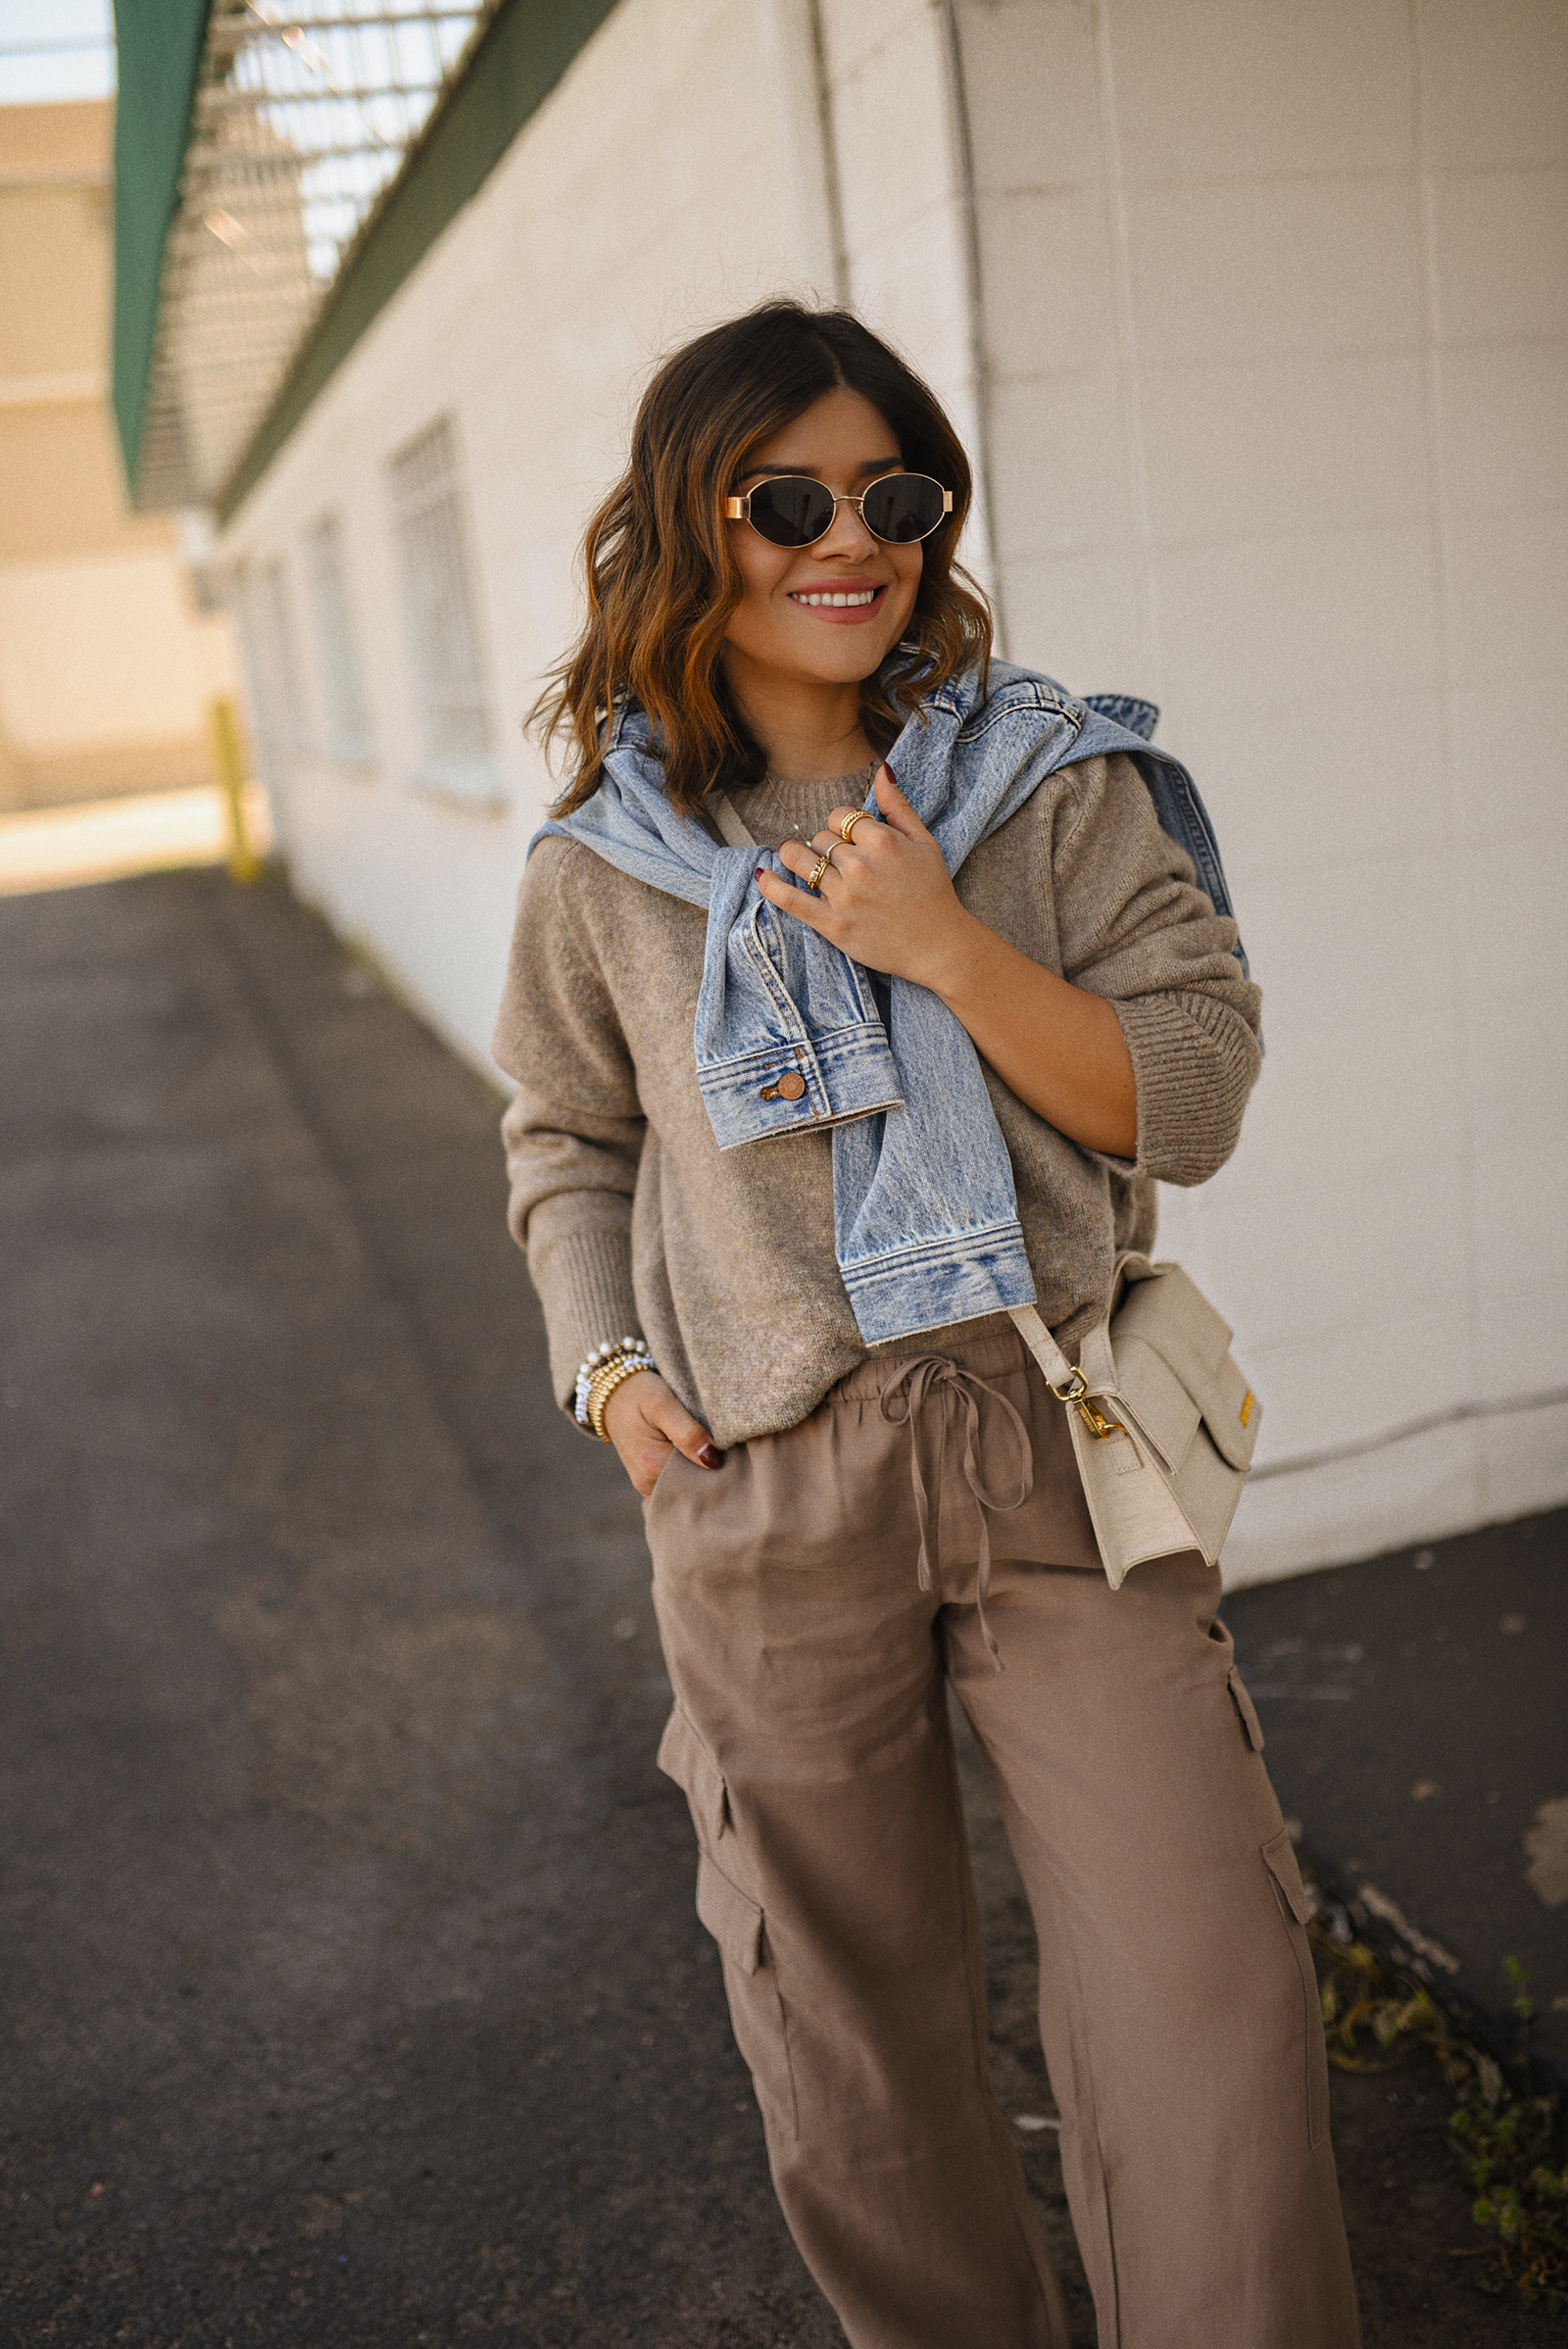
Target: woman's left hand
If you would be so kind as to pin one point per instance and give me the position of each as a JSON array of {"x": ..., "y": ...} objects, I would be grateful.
[{"x": 887, "y": 900}]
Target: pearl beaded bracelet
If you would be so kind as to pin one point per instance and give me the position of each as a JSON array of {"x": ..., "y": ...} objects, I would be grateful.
[{"x": 599, "y": 1377}]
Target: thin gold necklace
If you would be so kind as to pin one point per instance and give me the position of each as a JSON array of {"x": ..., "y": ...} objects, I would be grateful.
[
  {"x": 785, "y": 814},
  {"x": 784, "y": 811}
]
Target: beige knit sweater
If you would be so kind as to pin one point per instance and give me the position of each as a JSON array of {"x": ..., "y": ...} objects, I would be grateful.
[{"x": 636, "y": 1223}]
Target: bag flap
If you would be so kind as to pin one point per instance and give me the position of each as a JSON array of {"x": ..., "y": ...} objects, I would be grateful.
[
  {"x": 1233, "y": 1415},
  {"x": 1164, "y": 1304},
  {"x": 1165, "y": 1314},
  {"x": 1154, "y": 1396}
]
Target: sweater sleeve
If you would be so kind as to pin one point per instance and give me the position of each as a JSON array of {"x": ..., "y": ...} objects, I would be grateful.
[
  {"x": 574, "y": 1132},
  {"x": 1133, "y": 926}
]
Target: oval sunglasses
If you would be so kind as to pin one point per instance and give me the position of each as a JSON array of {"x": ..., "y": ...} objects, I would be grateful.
[{"x": 792, "y": 511}]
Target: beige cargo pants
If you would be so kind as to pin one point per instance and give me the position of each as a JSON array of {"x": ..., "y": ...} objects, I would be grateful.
[{"x": 1177, "y": 2007}]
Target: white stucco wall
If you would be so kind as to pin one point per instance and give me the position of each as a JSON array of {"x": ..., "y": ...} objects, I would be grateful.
[
  {"x": 1258, "y": 316},
  {"x": 1274, "y": 304}
]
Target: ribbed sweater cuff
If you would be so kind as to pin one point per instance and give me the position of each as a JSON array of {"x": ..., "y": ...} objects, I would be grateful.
[
  {"x": 1194, "y": 1060},
  {"x": 585, "y": 1287}
]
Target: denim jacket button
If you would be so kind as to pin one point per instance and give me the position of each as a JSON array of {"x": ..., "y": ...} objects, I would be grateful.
[{"x": 790, "y": 1087}]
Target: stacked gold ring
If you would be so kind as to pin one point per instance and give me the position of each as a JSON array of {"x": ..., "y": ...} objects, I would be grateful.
[
  {"x": 819, "y": 868},
  {"x": 847, "y": 824}
]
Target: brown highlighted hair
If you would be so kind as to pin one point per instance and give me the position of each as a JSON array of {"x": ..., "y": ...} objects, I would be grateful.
[{"x": 663, "y": 581}]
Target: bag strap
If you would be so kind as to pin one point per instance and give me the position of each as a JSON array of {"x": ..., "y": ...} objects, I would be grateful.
[
  {"x": 1058, "y": 1371},
  {"x": 721, "y": 807}
]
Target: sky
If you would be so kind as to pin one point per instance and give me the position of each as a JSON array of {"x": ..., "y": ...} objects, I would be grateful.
[{"x": 55, "y": 49}]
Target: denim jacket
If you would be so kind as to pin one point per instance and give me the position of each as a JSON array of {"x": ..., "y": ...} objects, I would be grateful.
[{"x": 926, "y": 1225}]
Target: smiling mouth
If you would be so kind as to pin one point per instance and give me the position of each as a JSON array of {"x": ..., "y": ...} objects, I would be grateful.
[{"x": 838, "y": 598}]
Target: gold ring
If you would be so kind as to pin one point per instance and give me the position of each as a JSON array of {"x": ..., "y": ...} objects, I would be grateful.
[
  {"x": 819, "y": 868},
  {"x": 848, "y": 823}
]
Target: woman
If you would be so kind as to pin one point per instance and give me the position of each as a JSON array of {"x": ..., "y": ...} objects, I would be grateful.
[{"x": 797, "y": 1123}]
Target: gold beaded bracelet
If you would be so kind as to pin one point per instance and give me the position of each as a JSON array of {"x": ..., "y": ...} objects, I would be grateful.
[
  {"x": 623, "y": 1350},
  {"x": 603, "y": 1385}
]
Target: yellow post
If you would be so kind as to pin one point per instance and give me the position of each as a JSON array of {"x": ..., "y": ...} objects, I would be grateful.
[{"x": 229, "y": 769}]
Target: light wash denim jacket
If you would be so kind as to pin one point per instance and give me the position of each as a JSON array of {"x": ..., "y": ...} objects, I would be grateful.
[{"x": 925, "y": 1216}]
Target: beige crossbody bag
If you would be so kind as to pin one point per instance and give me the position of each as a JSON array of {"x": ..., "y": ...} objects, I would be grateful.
[{"x": 1162, "y": 1422}]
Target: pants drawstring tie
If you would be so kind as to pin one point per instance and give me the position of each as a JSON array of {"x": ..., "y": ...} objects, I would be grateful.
[{"x": 913, "y": 1381}]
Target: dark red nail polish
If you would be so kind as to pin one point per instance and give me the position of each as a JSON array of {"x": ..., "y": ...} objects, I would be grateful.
[
  {"x": 710, "y": 1457},
  {"x": 759, "y": 872}
]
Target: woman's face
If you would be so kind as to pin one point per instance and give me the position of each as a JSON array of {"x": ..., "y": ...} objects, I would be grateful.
[{"x": 783, "y": 629}]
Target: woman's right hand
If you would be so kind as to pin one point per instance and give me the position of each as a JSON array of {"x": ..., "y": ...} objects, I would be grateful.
[{"x": 646, "y": 1423}]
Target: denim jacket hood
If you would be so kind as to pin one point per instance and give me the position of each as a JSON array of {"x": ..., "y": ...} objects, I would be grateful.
[{"x": 925, "y": 1216}]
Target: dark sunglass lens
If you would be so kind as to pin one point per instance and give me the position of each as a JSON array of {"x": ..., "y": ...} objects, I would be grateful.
[
  {"x": 904, "y": 507},
  {"x": 791, "y": 510}
]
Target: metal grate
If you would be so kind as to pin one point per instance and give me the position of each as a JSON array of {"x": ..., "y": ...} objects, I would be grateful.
[
  {"x": 303, "y": 117},
  {"x": 429, "y": 520}
]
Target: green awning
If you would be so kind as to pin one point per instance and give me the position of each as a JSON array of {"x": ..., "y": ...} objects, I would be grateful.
[
  {"x": 280, "y": 166},
  {"x": 160, "y": 46}
]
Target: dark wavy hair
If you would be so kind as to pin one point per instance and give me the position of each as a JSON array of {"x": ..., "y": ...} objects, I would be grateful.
[{"x": 662, "y": 577}]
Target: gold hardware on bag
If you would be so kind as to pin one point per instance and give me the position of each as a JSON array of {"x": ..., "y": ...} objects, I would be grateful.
[
  {"x": 1170, "y": 1323},
  {"x": 1093, "y": 1419}
]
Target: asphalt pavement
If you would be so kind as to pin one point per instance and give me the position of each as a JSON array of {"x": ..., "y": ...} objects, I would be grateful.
[
  {"x": 1415, "y": 1709},
  {"x": 353, "y": 1992}
]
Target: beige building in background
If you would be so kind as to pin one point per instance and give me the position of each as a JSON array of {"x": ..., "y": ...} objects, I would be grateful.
[{"x": 105, "y": 664}]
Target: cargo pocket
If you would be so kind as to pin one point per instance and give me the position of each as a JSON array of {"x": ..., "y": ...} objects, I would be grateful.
[
  {"x": 1290, "y": 1896},
  {"x": 738, "y": 1925},
  {"x": 1248, "y": 1711},
  {"x": 734, "y": 1920},
  {"x": 684, "y": 1757}
]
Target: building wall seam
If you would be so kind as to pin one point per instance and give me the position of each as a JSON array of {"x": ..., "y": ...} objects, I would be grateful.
[
  {"x": 1440, "y": 540},
  {"x": 1126, "y": 317},
  {"x": 832, "y": 185},
  {"x": 979, "y": 361}
]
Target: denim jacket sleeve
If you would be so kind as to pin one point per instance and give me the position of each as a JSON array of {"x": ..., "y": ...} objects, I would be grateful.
[
  {"x": 574, "y": 1131},
  {"x": 1132, "y": 925}
]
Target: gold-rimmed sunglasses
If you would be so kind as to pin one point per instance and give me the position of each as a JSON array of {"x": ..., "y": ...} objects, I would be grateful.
[{"x": 790, "y": 510}]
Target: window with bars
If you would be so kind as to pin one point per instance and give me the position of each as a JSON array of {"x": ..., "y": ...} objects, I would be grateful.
[
  {"x": 432, "y": 540},
  {"x": 348, "y": 726}
]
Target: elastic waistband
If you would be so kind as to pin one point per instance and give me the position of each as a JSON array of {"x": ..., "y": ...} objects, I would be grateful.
[{"x": 988, "y": 1357}]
